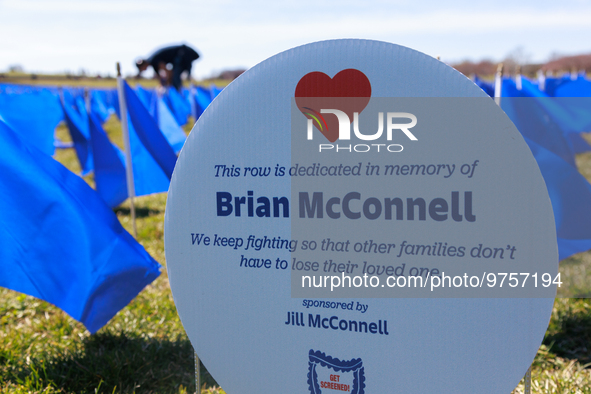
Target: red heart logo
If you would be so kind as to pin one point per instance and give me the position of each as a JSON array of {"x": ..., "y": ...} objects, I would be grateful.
[{"x": 348, "y": 91}]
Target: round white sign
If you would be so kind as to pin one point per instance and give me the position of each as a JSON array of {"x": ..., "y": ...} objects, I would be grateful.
[{"x": 355, "y": 216}]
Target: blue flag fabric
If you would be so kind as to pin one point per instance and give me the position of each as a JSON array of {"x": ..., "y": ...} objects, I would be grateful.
[
  {"x": 580, "y": 87},
  {"x": 179, "y": 106},
  {"x": 488, "y": 87},
  {"x": 99, "y": 104},
  {"x": 570, "y": 194},
  {"x": 109, "y": 167},
  {"x": 164, "y": 118},
  {"x": 572, "y": 115},
  {"x": 61, "y": 242},
  {"x": 116, "y": 104},
  {"x": 34, "y": 112},
  {"x": 112, "y": 100},
  {"x": 148, "y": 98},
  {"x": 173, "y": 133},
  {"x": 202, "y": 100},
  {"x": 570, "y": 108},
  {"x": 574, "y": 98},
  {"x": 215, "y": 91},
  {"x": 552, "y": 83},
  {"x": 532, "y": 120},
  {"x": 148, "y": 176},
  {"x": 146, "y": 130},
  {"x": 77, "y": 122},
  {"x": 577, "y": 143}
]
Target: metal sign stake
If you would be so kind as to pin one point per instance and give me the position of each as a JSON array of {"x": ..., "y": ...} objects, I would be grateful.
[
  {"x": 197, "y": 374},
  {"x": 527, "y": 382}
]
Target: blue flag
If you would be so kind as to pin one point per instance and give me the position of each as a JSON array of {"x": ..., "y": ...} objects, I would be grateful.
[
  {"x": 152, "y": 156},
  {"x": 487, "y": 87},
  {"x": 34, "y": 112},
  {"x": 99, "y": 104},
  {"x": 215, "y": 91},
  {"x": 109, "y": 167},
  {"x": 148, "y": 98},
  {"x": 580, "y": 87},
  {"x": 202, "y": 99},
  {"x": 144, "y": 130},
  {"x": 77, "y": 122},
  {"x": 552, "y": 83},
  {"x": 165, "y": 120},
  {"x": 172, "y": 131},
  {"x": 572, "y": 115},
  {"x": 179, "y": 105},
  {"x": 60, "y": 242},
  {"x": 570, "y": 194},
  {"x": 574, "y": 99},
  {"x": 111, "y": 99},
  {"x": 531, "y": 118}
]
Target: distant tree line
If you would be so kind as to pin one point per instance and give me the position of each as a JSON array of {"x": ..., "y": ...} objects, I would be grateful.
[{"x": 563, "y": 64}]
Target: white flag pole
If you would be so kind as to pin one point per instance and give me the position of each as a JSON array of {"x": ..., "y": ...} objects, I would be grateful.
[
  {"x": 573, "y": 74},
  {"x": 518, "y": 78},
  {"x": 192, "y": 92},
  {"x": 87, "y": 99},
  {"x": 498, "y": 81},
  {"x": 541, "y": 80},
  {"x": 126, "y": 145}
]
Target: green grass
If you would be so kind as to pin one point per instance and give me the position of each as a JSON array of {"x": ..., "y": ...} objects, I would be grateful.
[{"x": 144, "y": 348}]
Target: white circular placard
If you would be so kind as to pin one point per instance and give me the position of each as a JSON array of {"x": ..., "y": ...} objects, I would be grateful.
[{"x": 369, "y": 161}]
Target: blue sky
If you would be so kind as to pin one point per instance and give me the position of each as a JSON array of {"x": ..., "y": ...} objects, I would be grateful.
[{"x": 69, "y": 35}]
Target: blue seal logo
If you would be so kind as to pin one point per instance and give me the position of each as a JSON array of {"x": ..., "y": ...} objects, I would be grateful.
[{"x": 334, "y": 381}]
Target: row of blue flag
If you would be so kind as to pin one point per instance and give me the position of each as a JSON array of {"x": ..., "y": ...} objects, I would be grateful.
[
  {"x": 61, "y": 241},
  {"x": 18, "y": 102},
  {"x": 551, "y": 115},
  {"x": 150, "y": 114}
]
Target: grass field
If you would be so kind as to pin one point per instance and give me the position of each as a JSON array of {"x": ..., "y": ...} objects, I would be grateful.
[
  {"x": 144, "y": 349},
  {"x": 97, "y": 83}
]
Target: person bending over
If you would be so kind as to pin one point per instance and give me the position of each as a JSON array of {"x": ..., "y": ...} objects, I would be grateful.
[{"x": 169, "y": 63}]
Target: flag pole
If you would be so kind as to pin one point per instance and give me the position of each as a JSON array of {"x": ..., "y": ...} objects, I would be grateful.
[
  {"x": 541, "y": 80},
  {"x": 192, "y": 92},
  {"x": 498, "y": 83},
  {"x": 126, "y": 145},
  {"x": 527, "y": 381},
  {"x": 87, "y": 99},
  {"x": 518, "y": 77}
]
